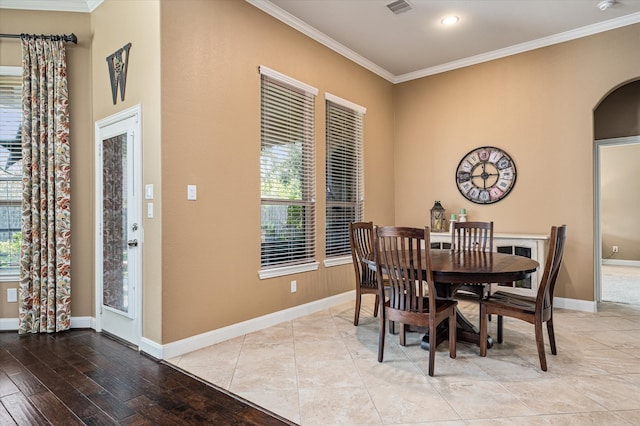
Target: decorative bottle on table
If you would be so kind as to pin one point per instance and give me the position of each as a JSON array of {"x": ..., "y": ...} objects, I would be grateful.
[
  {"x": 463, "y": 215},
  {"x": 452, "y": 221}
]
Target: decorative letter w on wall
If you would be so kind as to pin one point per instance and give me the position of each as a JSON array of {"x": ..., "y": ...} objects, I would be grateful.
[{"x": 118, "y": 71}]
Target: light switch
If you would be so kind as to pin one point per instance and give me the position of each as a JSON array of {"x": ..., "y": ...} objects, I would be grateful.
[
  {"x": 12, "y": 295},
  {"x": 149, "y": 210},
  {"x": 148, "y": 191},
  {"x": 191, "y": 192}
]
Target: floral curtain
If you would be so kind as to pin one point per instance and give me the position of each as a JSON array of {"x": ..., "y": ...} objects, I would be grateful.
[{"x": 45, "y": 264}]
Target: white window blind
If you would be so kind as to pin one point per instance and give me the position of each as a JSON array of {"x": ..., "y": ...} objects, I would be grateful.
[
  {"x": 10, "y": 169},
  {"x": 287, "y": 171},
  {"x": 344, "y": 173}
]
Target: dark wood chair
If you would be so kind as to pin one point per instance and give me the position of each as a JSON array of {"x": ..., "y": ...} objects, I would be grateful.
[
  {"x": 472, "y": 236},
  {"x": 532, "y": 310},
  {"x": 361, "y": 240},
  {"x": 403, "y": 255}
]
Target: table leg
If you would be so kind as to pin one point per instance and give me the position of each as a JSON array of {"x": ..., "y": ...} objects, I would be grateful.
[{"x": 465, "y": 332}]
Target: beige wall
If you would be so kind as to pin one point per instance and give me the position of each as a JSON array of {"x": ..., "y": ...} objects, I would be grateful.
[
  {"x": 81, "y": 134},
  {"x": 114, "y": 24},
  {"x": 620, "y": 201},
  {"x": 538, "y": 106},
  {"x": 211, "y": 51}
]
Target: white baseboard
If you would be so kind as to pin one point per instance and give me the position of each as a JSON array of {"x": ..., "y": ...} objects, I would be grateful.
[
  {"x": 209, "y": 338},
  {"x": 8, "y": 324},
  {"x": 575, "y": 304},
  {"x": 83, "y": 322},
  {"x": 150, "y": 347},
  {"x": 11, "y": 324},
  {"x": 620, "y": 262}
]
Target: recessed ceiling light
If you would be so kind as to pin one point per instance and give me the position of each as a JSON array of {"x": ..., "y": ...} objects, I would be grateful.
[
  {"x": 450, "y": 20},
  {"x": 605, "y": 4}
]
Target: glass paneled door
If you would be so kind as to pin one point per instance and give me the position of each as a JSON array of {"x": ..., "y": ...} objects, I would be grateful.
[{"x": 118, "y": 245}]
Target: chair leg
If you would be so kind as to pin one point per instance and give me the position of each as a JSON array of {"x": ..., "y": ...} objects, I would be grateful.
[
  {"x": 500, "y": 328},
  {"x": 483, "y": 330},
  {"x": 392, "y": 327},
  {"x": 381, "y": 337},
  {"x": 356, "y": 315},
  {"x": 540, "y": 345},
  {"x": 552, "y": 336},
  {"x": 452, "y": 335},
  {"x": 403, "y": 335},
  {"x": 375, "y": 308},
  {"x": 432, "y": 349}
]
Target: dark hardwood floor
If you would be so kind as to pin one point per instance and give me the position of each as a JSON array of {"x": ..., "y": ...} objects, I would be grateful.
[{"x": 83, "y": 377}]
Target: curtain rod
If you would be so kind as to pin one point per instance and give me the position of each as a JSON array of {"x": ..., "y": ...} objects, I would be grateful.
[{"x": 68, "y": 38}]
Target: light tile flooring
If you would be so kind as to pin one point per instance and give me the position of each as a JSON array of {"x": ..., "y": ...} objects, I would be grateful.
[
  {"x": 321, "y": 370},
  {"x": 621, "y": 283}
]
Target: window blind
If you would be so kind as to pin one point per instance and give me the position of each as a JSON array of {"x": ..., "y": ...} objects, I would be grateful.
[
  {"x": 344, "y": 172},
  {"x": 10, "y": 169},
  {"x": 287, "y": 172},
  {"x": 10, "y": 120}
]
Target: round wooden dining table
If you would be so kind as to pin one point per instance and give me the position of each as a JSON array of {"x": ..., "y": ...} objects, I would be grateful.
[{"x": 452, "y": 269}]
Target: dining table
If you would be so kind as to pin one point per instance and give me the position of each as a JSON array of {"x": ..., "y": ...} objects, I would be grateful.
[{"x": 452, "y": 269}]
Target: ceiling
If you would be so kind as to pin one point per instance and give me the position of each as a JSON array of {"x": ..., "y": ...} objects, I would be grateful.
[{"x": 414, "y": 43}]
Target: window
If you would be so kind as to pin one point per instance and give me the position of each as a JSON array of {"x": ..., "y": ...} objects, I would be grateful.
[
  {"x": 10, "y": 170},
  {"x": 344, "y": 174},
  {"x": 287, "y": 173}
]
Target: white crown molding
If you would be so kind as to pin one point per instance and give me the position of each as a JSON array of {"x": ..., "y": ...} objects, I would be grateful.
[
  {"x": 82, "y": 6},
  {"x": 303, "y": 27},
  {"x": 623, "y": 21},
  {"x": 268, "y": 7}
]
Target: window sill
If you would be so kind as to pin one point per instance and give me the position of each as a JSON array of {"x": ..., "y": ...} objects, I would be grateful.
[
  {"x": 288, "y": 270},
  {"x": 337, "y": 261}
]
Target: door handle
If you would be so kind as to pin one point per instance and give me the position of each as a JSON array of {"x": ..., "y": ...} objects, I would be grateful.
[{"x": 132, "y": 243}]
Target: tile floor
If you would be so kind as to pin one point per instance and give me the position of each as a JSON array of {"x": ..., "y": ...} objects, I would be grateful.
[
  {"x": 621, "y": 284},
  {"x": 321, "y": 370}
]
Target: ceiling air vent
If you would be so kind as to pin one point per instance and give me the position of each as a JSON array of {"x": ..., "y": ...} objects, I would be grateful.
[{"x": 399, "y": 6}]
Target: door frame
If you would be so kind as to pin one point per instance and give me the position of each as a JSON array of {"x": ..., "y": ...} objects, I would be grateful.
[
  {"x": 136, "y": 113},
  {"x": 598, "y": 145}
]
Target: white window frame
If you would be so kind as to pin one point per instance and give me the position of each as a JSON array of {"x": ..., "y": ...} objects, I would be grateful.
[
  {"x": 352, "y": 120},
  {"x": 11, "y": 274},
  {"x": 307, "y": 201}
]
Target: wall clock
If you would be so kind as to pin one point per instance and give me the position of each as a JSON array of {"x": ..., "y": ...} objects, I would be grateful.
[{"x": 486, "y": 175}]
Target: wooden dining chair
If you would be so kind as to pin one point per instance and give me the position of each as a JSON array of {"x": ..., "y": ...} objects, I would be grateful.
[
  {"x": 404, "y": 256},
  {"x": 532, "y": 310},
  {"x": 361, "y": 240},
  {"x": 472, "y": 236}
]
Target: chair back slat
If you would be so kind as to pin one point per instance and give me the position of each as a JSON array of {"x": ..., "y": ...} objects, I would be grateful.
[{"x": 472, "y": 236}]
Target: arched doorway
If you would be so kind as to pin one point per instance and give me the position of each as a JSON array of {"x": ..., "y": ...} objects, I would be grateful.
[{"x": 617, "y": 154}]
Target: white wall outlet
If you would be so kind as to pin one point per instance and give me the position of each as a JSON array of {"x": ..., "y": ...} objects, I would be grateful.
[
  {"x": 12, "y": 295},
  {"x": 294, "y": 286},
  {"x": 615, "y": 249},
  {"x": 149, "y": 210},
  {"x": 191, "y": 192}
]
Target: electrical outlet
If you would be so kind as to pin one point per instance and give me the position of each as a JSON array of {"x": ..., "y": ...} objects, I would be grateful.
[
  {"x": 12, "y": 295},
  {"x": 615, "y": 249},
  {"x": 294, "y": 286}
]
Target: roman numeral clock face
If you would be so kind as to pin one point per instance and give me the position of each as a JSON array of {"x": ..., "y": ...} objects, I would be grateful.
[{"x": 486, "y": 175}]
